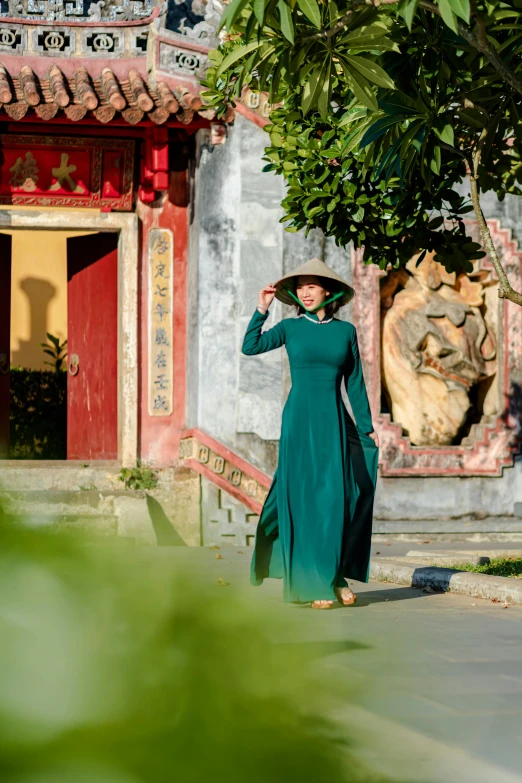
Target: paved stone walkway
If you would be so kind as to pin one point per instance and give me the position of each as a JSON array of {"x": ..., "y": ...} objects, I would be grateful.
[
  {"x": 437, "y": 677},
  {"x": 394, "y": 548}
]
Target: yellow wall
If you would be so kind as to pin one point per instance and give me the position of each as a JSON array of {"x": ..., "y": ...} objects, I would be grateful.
[{"x": 38, "y": 293}]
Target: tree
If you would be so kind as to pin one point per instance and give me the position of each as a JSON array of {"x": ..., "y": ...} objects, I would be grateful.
[{"x": 386, "y": 107}]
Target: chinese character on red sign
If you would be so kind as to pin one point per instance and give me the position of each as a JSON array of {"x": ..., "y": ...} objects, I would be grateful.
[{"x": 66, "y": 171}]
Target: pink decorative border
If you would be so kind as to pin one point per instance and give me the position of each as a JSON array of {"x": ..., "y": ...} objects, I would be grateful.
[{"x": 496, "y": 442}]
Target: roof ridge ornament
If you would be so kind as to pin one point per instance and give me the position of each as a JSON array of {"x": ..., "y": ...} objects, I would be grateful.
[{"x": 101, "y": 11}]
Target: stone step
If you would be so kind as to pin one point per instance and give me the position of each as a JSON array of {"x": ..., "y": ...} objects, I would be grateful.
[
  {"x": 59, "y": 502},
  {"x": 64, "y": 476},
  {"x": 109, "y": 513},
  {"x": 95, "y": 524},
  {"x": 463, "y": 527}
]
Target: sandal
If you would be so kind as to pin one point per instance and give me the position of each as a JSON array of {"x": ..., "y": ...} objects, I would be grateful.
[
  {"x": 322, "y": 604},
  {"x": 341, "y": 599}
]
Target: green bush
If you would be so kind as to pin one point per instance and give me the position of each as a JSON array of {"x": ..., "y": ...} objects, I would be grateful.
[
  {"x": 138, "y": 478},
  {"x": 38, "y": 414}
]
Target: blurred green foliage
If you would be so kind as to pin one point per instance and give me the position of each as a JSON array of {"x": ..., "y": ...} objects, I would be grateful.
[
  {"x": 114, "y": 670},
  {"x": 38, "y": 414}
]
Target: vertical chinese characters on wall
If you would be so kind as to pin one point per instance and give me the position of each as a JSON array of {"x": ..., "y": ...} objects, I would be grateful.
[{"x": 161, "y": 253}]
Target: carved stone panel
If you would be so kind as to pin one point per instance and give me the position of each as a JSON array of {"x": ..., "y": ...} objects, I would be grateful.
[
  {"x": 13, "y": 39},
  {"x": 443, "y": 364},
  {"x": 439, "y": 353},
  {"x": 53, "y": 41},
  {"x": 175, "y": 59},
  {"x": 101, "y": 42}
]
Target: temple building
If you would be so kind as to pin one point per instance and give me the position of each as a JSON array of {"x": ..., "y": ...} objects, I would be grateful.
[{"x": 135, "y": 231}]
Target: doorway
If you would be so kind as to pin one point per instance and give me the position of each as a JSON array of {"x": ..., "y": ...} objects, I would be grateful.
[{"x": 94, "y": 293}]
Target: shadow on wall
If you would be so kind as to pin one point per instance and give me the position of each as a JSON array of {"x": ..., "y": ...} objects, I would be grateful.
[
  {"x": 40, "y": 293},
  {"x": 166, "y": 533},
  {"x": 515, "y": 408}
]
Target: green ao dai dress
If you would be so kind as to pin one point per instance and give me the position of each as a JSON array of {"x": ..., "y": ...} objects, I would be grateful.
[{"x": 315, "y": 525}]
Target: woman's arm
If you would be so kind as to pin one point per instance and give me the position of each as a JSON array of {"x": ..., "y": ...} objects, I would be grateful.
[
  {"x": 356, "y": 390},
  {"x": 256, "y": 342}
]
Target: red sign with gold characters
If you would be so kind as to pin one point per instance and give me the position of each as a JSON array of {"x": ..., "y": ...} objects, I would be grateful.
[{"x": 67, "y": 172}]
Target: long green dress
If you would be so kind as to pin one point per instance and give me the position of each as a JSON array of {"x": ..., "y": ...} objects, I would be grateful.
[{"x": 315, "y": 525}]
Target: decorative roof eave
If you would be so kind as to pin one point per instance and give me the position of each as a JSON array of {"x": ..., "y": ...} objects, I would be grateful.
[{"x": 105, "y": 98}]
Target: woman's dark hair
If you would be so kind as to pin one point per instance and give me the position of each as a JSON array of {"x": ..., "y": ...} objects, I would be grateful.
[{"x": 329, "y": 285}]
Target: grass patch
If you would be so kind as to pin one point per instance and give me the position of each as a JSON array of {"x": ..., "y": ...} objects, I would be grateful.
[{"x": 499, "y": 566}]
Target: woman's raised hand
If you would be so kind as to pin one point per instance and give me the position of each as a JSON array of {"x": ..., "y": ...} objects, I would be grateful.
[{"x": 266, "y": 297}]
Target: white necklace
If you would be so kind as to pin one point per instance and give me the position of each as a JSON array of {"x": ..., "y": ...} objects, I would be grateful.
[{"x": 304, "y": 315}]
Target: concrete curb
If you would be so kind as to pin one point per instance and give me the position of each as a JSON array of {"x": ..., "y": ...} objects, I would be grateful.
[{"x": 493, "y": 588}]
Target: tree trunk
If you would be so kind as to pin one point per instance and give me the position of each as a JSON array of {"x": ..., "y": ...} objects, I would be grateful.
[{"x": 505, "y": 289}]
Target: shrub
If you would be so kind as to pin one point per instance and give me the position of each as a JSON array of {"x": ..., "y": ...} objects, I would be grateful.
[{"x": 38, "y": 414}]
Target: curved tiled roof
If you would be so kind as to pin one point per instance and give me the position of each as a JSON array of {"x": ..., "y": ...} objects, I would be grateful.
[{"x": 104, "y": 98}]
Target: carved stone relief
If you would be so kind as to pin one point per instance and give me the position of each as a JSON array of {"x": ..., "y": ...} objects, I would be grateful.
[
  {"x": 197, "y": 19},
  {"x": 458, "y": 347},
  {"x": 439, "y": 352}
]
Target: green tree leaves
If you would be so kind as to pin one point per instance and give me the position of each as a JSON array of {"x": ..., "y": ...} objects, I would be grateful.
[
  {"x": 287, "y": 25},
  {"x": 311, "y": 10},
  {"x": 275, "y": 46},
  {"x": 236, "y": 54},
  {"x": 383, "y": 108},
  {"x": 370, "y": 70},
  {"x": 451, "y": 9}
]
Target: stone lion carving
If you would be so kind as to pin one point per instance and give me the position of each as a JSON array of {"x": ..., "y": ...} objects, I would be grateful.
[{"x": 438, "y": 349}]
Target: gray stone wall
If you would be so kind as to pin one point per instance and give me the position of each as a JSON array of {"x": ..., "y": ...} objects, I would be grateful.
[{"x": 237, "y": 246}]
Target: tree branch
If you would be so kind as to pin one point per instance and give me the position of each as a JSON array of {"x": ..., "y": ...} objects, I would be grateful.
[
  {"x": 342, "y": 22},
  {"x": 505, "y": 289},
  {"x": 481, "y": 43}
]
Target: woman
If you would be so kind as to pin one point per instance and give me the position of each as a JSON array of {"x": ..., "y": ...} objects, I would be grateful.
[{"x": 315, "y": 526}]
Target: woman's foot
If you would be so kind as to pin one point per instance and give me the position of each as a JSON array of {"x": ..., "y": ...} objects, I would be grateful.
[
  {"x": 322, "y": 604},
  {"x": 345, "y": 596}
]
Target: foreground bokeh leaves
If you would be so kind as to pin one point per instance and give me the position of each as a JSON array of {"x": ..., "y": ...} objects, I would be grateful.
[{"x": 114, "y": 669}]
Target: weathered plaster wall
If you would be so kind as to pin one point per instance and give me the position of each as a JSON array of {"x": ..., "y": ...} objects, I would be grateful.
[{"x": 236, "y": 246}]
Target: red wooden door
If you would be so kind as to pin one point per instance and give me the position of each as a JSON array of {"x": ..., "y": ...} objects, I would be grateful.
[
  {"x": 5, "y": 340},
  {"x": 92, "y": 347}
]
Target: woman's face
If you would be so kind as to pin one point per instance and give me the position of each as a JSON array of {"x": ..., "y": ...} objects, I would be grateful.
[{"x": 310, "y": 292}]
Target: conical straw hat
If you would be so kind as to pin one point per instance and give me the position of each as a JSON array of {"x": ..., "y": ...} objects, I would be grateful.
[{"x": 313, "y": 267}]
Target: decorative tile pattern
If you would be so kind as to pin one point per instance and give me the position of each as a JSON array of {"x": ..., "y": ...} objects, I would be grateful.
[
  {"x": 100, "y": 42},
  {"x": 229, "y": 475},
  {"x": 225, "y": 520},
  {"x": 52, "y": 41},
  {"x": 174, "y": 59},
  {"x": 13, "y": 39}
]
